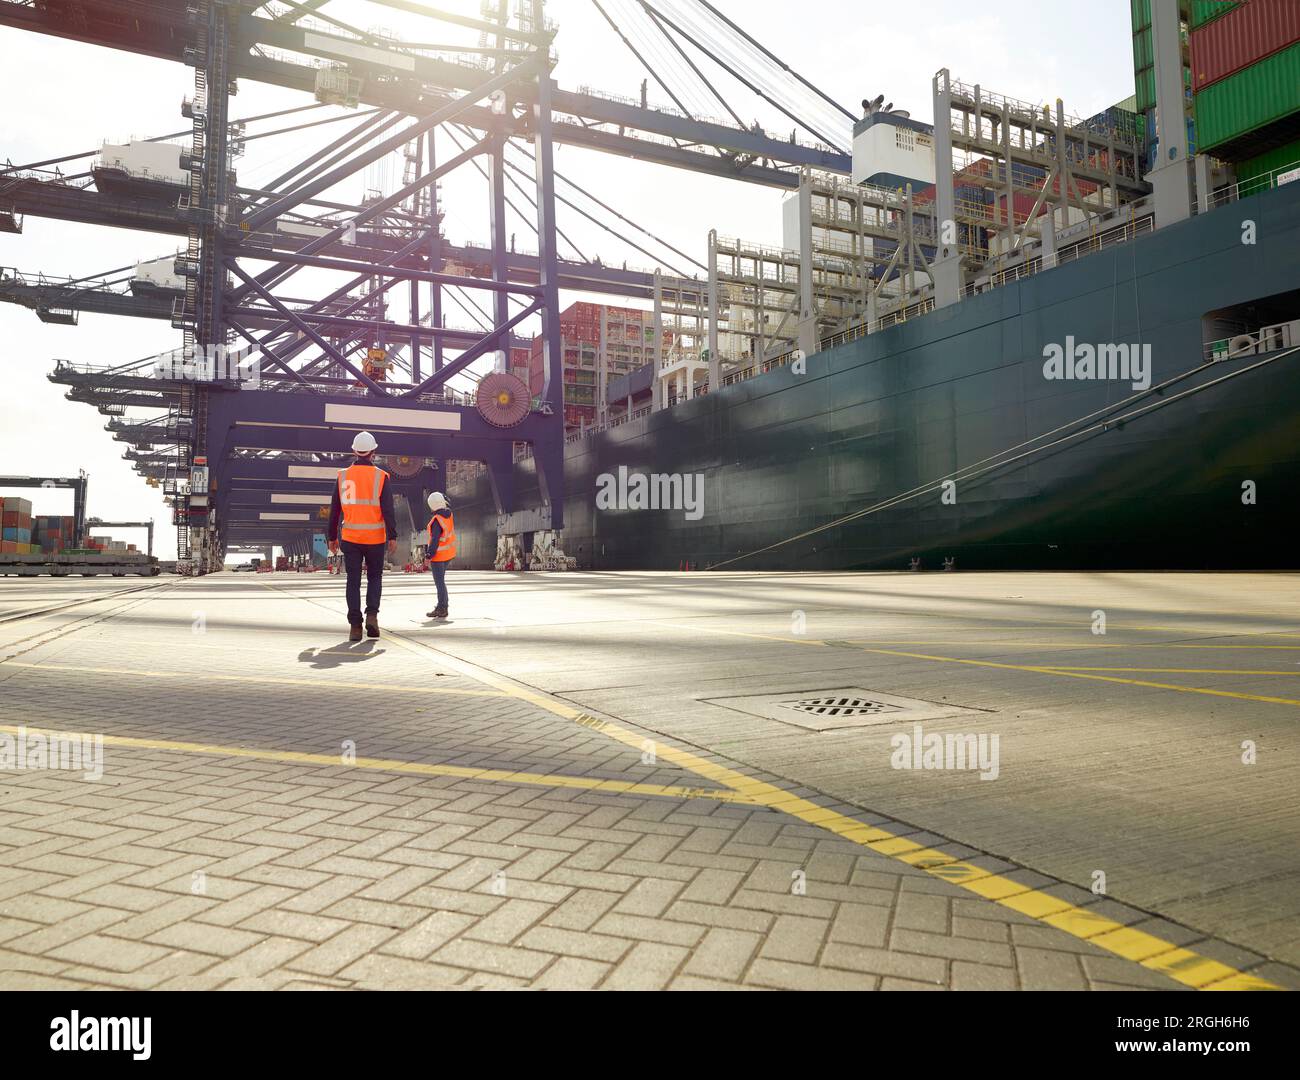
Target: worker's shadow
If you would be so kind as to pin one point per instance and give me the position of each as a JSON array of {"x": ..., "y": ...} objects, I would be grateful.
[
  {"x": 437, "y": 622},
  {"x": 347, "y": 652}
]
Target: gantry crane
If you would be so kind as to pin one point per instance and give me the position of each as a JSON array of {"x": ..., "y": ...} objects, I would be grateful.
[{"x": 247, "y": 453}]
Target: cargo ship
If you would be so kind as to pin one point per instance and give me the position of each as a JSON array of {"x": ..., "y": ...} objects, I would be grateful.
[{"x": 1200, "y": 469}]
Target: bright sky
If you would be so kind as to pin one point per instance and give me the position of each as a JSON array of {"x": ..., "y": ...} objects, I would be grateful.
[{"x": 77, "y": 96}]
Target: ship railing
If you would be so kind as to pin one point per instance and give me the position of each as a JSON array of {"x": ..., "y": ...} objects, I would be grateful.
[
  {"x": 1069, "y": 252},
  {"x": 1243, "y": 189},
  {"x": 893, "y": 318},
  {"x": 604, "y": 425},
  {"x": 1263, "y": 339}
]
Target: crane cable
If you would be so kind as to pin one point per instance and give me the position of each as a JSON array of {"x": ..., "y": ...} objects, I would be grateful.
[
  {"x": 777, "y": 60},
  {"x": 749, "y": 67},
  {"x": 644, "y": 63}
]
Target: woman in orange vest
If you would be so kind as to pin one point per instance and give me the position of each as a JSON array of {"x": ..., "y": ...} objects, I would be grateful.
[{"x": 441, "y": 549}]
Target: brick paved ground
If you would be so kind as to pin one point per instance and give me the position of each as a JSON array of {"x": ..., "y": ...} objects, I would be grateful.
[{"x": 229, "y": 843}]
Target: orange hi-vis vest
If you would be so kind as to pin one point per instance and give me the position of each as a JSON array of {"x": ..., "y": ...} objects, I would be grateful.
[
  {"x": 447, "y": 541},
  {"x": 363, "y": 518}
]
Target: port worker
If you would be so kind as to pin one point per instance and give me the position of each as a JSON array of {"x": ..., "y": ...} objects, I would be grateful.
[
  {"x": 363, "y": 524},
  {"x": 441, "y": 549}
]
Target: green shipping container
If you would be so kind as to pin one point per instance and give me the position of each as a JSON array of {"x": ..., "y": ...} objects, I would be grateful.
[
  {"x": 1142, "y": 56},
  {"x": 1141, "y": 10},
  {"x": 1145, "y": 84},
  {"x": 1204, "y": 11},
  {"x": 1261, "y": 166},
  {"x": 1255, "y": 96}
]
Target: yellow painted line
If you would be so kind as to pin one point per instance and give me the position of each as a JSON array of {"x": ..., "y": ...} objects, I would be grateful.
[
  {"x": 505, "y": 776},
  {"x": 738, "y": 633},
  {"x": 1267, "y": 699},
  {"x": 1178, "y": 670},
  {"x": 1083, "y": 621},
  {"x": 795, "y": 640},
  {"x": 1061, "y": 672},
  {"x": 207, "y": 676},
  {"x": 1181, "y": 965},
  {"x": 1067, "y": 674},
  {"x": 1149, "y": 951}
]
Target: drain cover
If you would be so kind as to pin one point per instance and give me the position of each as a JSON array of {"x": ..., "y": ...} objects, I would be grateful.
[
  {"x": 837, "y": 707},
  {"x": 840, "y": 706}
]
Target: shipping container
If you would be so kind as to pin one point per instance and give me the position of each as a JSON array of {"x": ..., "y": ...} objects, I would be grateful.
[
  {"x": 1145, "y": 85},
  {"x": 1248, "y": 101},
  {"x": 1205, "y": 11},
  {"x": 1253, "y": 173},
  {"x": 1143, "y": 57},
  {"x": 1141, "y": 13},
  {"x": 1248, "y": 33}
]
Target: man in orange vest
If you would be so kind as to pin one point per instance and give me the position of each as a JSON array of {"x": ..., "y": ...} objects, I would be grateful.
[
  {"x": 441, "y": 549},
  {"x": 362, "y": 521}
]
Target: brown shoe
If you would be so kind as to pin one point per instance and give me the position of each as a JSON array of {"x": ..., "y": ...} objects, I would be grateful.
[
  {"x": 372, "y": 626},
  {"x": 354, "y": 634}
]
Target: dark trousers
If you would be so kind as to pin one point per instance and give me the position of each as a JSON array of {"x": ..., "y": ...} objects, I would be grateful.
[
  {"x": 440, "y": 581},
  {"x": 373, "y": 557}
]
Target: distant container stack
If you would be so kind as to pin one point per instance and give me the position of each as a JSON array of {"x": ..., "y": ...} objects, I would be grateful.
[
  {"x": 16, "y": 527},
  {"x": 53, "y": 534},
  {"x": 593, "y": 336}
]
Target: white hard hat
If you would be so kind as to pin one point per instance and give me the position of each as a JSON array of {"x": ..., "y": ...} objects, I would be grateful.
[
  {"x": 364, "y": 443},
  {"x": 437, "y": 501}
]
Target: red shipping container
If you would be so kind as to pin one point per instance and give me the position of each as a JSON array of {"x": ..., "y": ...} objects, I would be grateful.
[
  {"x": 9, "y": 519},
  {"x": 1245, "y": 34},
  {"x": 1023, "y": 205}
]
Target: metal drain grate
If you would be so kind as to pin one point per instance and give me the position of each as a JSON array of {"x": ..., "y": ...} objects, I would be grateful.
[
  {"x": 832, "y": 708},
  {"x": 840, "y": 706}
]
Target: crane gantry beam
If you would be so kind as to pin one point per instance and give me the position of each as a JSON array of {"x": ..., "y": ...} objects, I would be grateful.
[
  {"x": 245, "y": 244},
  {"x": 159, "y": 28}
]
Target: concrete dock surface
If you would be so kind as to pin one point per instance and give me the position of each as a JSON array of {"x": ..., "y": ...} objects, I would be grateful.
[{"x": 645, "y": 780}]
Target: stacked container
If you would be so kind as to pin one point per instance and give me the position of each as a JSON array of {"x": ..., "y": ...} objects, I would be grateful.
[
  {"x": 628, "y": 335},
  {"x": 53, "y": 533},
  {"x": 16, "y": 527},
  {"x": 1144, "y": 72},
  {"x": 1246, "y": 74},
  {"x": 1204, "y": 11}
]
